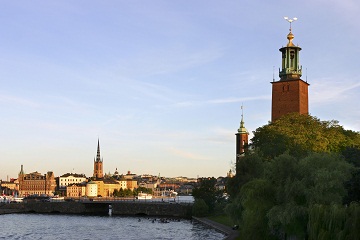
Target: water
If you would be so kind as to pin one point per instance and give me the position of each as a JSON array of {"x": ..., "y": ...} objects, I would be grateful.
[{"x": 44, "y": 226}]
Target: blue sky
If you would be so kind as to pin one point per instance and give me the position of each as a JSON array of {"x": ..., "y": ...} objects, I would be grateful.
[{"x": 160, "y": 83}]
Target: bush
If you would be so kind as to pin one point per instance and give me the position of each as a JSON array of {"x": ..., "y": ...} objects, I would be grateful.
[{"x": 200, "y": 208}]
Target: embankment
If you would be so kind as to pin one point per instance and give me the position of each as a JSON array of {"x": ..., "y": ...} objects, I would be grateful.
[{"x": 101, "y": 208}]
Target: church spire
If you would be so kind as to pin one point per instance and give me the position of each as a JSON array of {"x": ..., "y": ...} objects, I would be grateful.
[
  {"x": 98, "y": 164},
  {"x": 98, "y": 159}
]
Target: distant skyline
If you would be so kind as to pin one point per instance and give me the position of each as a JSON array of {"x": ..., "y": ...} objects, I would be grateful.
[{"x": 161, "y": 83}]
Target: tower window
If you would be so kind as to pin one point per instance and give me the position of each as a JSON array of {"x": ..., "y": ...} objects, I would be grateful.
[{"x": 292, "y": 55}]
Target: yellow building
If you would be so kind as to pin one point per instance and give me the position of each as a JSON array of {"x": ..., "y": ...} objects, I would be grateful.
[
  {"x": 131, "y": 184},
  {"x": 106, "y": 187},
  {"x": 76, "y": 190}
]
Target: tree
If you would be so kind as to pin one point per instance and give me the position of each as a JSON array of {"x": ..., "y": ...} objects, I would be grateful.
[
  {"x": 208, "y": 192},
  {"x": 200, "y": 208},
  {"x": 249, "y": 167},
  {"x": 256, "y": 197},
  {"x": 352, "y": 155},
  {"x": 300, "y": 134}
]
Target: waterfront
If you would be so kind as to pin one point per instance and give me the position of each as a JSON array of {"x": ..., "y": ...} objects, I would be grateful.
[{"x": 45, "y": 226}]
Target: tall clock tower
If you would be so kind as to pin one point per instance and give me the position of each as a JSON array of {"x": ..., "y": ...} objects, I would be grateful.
[{"x": 290, "y": 93}]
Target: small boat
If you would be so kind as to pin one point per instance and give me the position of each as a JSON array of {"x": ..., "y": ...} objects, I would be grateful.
[{"x": 144, "y": 196}]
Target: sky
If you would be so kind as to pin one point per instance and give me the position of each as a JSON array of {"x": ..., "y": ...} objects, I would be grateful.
[{"x": 161, "y": 83}]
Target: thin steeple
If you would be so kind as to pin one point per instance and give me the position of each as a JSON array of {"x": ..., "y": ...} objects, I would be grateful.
[
  {"x": 98, "y": 159},
  {"x": 242, "y": 128}
]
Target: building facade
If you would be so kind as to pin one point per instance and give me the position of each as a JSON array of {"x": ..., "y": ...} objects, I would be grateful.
[
  {"x": 36, "y": 183},
  {"x": 91, "y": 189},
  {"x": 290, "y": 93},
  {"x": 76, "y": 190},
  {"x": 71, "y": 178}
]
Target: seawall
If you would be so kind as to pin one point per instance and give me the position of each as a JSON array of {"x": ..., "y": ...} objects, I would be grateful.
[{"x": 101, "y": 208}]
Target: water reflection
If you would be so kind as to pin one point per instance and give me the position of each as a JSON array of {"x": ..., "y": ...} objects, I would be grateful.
[{"x": 40, "y": 226}]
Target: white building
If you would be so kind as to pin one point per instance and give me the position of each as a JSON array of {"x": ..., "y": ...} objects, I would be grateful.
[
  {"x": 91, "y": 189},
  {"x": 71, "y": 178}
]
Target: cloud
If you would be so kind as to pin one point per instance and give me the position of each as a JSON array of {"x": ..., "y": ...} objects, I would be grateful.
[{"x": 326, "y": 91}]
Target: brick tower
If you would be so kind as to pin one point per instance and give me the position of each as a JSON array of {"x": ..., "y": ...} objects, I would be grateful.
[
  {"x": 241, "y": 139},
  {"x": 98, "y": 164},
  {"x": 290, "y": 93}
]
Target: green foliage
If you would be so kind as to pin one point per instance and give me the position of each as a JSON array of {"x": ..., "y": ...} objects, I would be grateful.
[
  {"x": 207, "y": 192},
  {"x": 352, "y": 155},
  {"x": 277, "y": 204},
  {"x": 293, "y": 184},
  {"x": 142, "y": 190},
  {"x": 249, "y": 167},
  {"x": 200, "y": 208},
  {"x": 123, "y": 193},
  {"x": 300, "y": 134},
  {"x": 257, "y": 197},
  {"x": 334, "y": 222}
]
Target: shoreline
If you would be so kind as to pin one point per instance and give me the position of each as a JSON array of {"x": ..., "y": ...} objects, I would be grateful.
[{"x": 228, "y": 231}]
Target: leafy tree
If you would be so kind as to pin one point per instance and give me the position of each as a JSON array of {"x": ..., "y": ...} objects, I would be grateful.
[
  {"x": 300, "y": 134},
  {"x": 208, "y": 192},
  {"x": 257, "y": 198},
  {"x": 249, "y": 167},
  {"x": 200, "y": 208},
  {"x": 327, "y": 222},
  {"x": 142, "y": 190},
  {"x": 352, "y": 155}
]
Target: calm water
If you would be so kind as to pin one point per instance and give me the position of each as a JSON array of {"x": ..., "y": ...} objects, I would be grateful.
[{"x": 41, "y": 226}]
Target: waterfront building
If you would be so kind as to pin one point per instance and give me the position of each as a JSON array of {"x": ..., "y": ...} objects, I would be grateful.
[
  {"x": 36, "y": 183},
  {"x": 91, "y": 189},
  {"x": 123, "y": 183},
  {"x": 71, "y": 178},
  {"x": 106, "y": 187},
  {"x": 13, "y": 184},
  {"x": 9, "y": 187},
  {"x": 76, "y": 190},
  {"x": 131, "y": 184},
  {"x": 290, "y": 93},
  {"x": 98, "y": 164}
]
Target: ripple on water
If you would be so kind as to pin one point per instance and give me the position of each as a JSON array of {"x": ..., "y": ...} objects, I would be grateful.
[{"x": 41, "y": 226}]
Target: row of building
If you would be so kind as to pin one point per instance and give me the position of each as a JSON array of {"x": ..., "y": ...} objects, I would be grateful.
[{"x": 78, "y": 185}]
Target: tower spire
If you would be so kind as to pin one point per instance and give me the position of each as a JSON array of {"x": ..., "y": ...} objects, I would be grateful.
[
  {"x": 98, "y": 159},
  {"x": 290, "y": 67},
  {"x": 242, "y": 129},
  {"x": 98, "y": 164}
]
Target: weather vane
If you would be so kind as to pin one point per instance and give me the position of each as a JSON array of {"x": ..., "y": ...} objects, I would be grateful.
[{"x": 290, "y": 20}]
